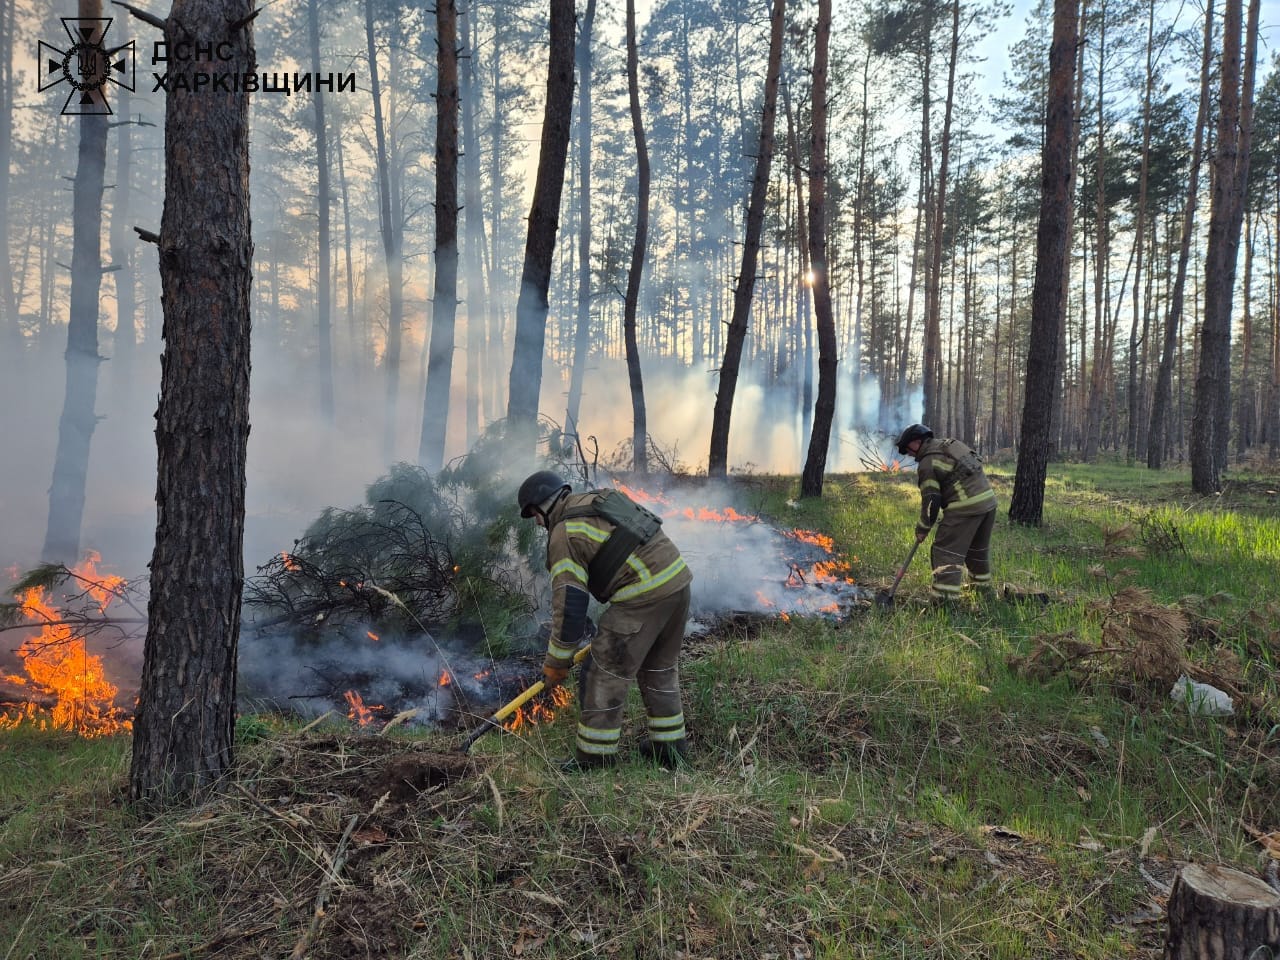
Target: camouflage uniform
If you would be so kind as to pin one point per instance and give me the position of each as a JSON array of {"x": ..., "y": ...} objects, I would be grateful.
[
  {"x": 639, "y": 636},
  {"x": 952, "y": 481}
]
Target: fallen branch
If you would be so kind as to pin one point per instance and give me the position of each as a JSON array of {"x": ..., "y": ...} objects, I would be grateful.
[{"x": 339, "y": 857}]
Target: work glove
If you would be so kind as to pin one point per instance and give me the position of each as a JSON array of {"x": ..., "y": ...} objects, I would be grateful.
[
  {"x": 921, "y": 534},
  {"x": 554, "y": 671}
]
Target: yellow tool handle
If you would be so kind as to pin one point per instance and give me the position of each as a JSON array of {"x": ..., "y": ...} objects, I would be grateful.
[{"x": 496, "y": 719}]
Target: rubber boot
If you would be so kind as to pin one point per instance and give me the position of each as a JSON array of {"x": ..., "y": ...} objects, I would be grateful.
[{"x": 581, "y": 762}]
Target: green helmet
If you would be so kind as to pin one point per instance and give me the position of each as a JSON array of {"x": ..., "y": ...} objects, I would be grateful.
[
  {"x": 538, "y": 487},
  {"x": 917, "y": 431}
]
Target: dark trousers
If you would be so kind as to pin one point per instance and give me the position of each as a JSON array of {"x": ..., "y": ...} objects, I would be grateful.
[{"x": 961, "y": 542}]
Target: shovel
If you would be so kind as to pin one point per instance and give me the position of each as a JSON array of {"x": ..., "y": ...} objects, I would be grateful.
[
  {"x": 884, "y": 599},
  {"x": 494, "y": 722}
]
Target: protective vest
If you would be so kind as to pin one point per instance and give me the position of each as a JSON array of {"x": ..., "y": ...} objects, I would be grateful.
[
  {"x": 642, "y": 565},
  {"x": 953, "y": 471}
]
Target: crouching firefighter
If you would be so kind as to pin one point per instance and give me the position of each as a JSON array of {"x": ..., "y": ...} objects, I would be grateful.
[
  {"x": 952, "y": 482},
  {"x": 603, "y": 544}
]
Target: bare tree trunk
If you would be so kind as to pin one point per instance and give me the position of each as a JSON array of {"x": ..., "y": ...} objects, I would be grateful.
[
  {"x": 355, "y": 357},
  {"x": 1053, "y": 235},
  {"x": 815, "y": 467},
  {"x": 1162, "y": 395},
  {"x": 183, "y": 736},
  {"x": 390, "y": 249},
  {"x": 717, "y": 464},
  {"x": 639, "y": 416},
  {"x": 324, "y": 332},
  {"x": 474, "y": 248},
  {"x": 933, "y": 298},
  {"x": 582, "y": 337},
  {"x": 1244, "y": 423},
  {"x": 1140, "y": 223},
  {"x": 10, "y": 325},
  {"x": 126, "y": 334},
  {"x": 540, "y": 241},
  {"x": 75, "y": 428},
  {"x": 1093, "y": 400},
  {"x": 1231, "y": 172},
  {"x": 444, "y": 305}
]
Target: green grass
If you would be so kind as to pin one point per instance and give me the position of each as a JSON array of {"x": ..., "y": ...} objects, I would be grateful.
[{"x": 887, "y": 786}]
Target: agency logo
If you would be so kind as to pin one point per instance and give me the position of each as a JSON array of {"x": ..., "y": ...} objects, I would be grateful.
[{"x": 88, "y": 65}]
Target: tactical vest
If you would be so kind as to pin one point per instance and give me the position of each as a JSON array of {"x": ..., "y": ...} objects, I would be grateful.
[
  {"x": 633, "y": 526},
  {"x": 966, "y": 459}
]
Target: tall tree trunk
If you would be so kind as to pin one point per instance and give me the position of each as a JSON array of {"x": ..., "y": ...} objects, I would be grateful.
[
  {"x": 75, "y": 428},
  {"x": 474, "y": 247},
  {"x": 183, "y": 734},
  {"x": 1245, "y": 405},
  {"x": 639, "y": 416},
  {"x": 126, "y": 334},
  {"x": 803, "y": 354},
  {"x": 324, "y": 353},
  {"x": 355, "y": 340},
  {"x": 824, "y": 410},
  {"x": 10, "y": 325},
  {"x": 1162, "y": 395},
  {"x": 444, "y": 305},
  {"x": 1101, "y": 263},
  {"x": 1231, "y": 172},
  {"x": 1047, "y": 299},
  {"x": 856, "y": 419},
  {"x": 540, "y": 240},
  {"x": 390, "y": 249},
  {"x": 1140, "y": 230},
  {"x": 717, "y": 464},
  {"x": 933, "y": 298},
  {"x": 582, "y": 336}
]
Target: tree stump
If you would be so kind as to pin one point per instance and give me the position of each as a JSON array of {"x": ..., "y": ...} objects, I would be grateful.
[{"x": 1216, "y": 913}]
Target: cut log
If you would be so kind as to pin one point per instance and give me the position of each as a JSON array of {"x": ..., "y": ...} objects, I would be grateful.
[{"x": 1216, "y": 913}]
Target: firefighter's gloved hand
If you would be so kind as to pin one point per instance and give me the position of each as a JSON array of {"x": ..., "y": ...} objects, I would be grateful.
[
  {"x": 554, "y": 671},
  {"x": 921, "y": 534},
  {"x": 932, "y": 504}
]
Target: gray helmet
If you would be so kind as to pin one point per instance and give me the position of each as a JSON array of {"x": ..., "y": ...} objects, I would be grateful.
[
  {"x": 537, "y": 488},
  {"x": 917, "y": 431}
]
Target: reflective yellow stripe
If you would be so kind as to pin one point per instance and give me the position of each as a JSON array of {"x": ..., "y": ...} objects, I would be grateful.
[
  {"x": 976, "y": 498},
  {"x": 929, "y": 484},
  {"x": 650, "y": 583},
  {"x": 595, "y": 733},
  {"x": 656, "y": 723},
  {"x": 947, "y": 588},
  {"x": 569, "y": 565},
  {"x": 666, "y": 736},
  {"x": 943, "y": 466},
  {"x": 559, "y": 652},
  {"x": 587, "y": 530},
  {"x": 597, "y": 749},
  {"x": 980, "y": 577}
]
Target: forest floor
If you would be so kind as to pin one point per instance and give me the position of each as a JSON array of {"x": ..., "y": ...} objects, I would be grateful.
[{"x": 1001, "y": 779}]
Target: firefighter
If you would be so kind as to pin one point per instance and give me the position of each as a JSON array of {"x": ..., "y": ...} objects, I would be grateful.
[
  {"x": 952, "y": 483},
  {"x": 605, "y": 545}
]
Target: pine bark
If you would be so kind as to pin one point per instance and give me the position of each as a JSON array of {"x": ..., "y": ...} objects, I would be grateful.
[
  {"x": 717, "y": 464},
  {"x": 639, "y": 416},
  {"x": 582, "y": 334},
  {"x": 1162, "y": 395},
  {"x": 811, "y": 479},
  {"x": 1047, "y": 295},
  {"x": 444, "y": 305},
  {"x": 1217, "y": 913},
  {"x": 183, "y": 734},
  {"x": 532, "y": 306},
  {"x": 324, "y": 332},
  {"x": 78, "y": 420}
]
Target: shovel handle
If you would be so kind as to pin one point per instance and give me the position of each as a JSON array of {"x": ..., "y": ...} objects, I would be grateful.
[
  {"x": 494, "y": 721},
  {"x": 903, "y": 569}
]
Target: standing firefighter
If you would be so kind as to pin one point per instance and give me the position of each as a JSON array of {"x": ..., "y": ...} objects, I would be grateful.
[
  {"x": 952, "y": 482},
  {"x": 606, "y": 545}
]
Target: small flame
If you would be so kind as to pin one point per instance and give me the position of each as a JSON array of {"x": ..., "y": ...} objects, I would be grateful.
[
  {"x": 359, "y": 712},
  {"x": 371, "y": 635},
  {"x": 290, "y": 562},
  {"x": 539, "y": 711},
  {"x": 445, "y": 678}
]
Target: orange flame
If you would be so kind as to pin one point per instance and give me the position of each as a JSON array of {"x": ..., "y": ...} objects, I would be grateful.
[
  {"x": 289, "y": 561},
  {"x": 445, "y": 678},
  {"x": 360, "y": 713},
  {"x": 59, "y": 665},
  {"x": 371, "y": 635},
  {"x": 539, "y": 711}
]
